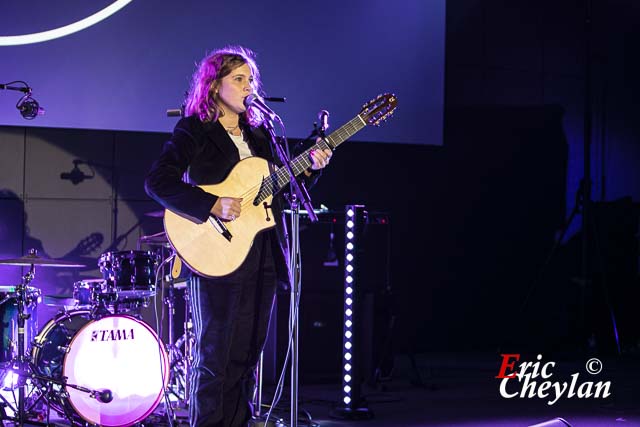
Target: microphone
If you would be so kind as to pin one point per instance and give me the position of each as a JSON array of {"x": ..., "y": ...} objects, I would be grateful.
[
  {"x": 323, "y": 117},
  {"x": 104, "y": 396},
  {"x": 76, "y": 176},
  {"x": 29, "y": 107},
  {"x": 257, "y": 102}
]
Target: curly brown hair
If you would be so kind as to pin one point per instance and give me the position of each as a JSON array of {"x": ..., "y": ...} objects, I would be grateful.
[{"x": 207, "y": 77}]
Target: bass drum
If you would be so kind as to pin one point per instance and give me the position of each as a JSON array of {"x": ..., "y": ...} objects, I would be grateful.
[{"x": 117, "y": 353}]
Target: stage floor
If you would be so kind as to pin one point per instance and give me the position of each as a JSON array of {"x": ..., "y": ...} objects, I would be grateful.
[{"x": 460, "y": 389}]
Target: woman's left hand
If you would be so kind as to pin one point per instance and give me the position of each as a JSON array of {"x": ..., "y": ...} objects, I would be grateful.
[{"x": 320, "y": 158}]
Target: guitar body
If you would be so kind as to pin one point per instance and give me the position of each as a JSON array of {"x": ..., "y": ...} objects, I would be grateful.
[{"x": 201, "y": 246}]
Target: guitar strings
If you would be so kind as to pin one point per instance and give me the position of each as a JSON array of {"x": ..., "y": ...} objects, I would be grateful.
[{"x": 343, "y": 133}]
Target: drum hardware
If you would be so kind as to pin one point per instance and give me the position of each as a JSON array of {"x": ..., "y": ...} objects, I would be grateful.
[
  {"x": 130, "y": 274},
  {"x": 9, "y": 322},
  {"x": 58, "y": 301},
  {"x": 24, "y": 298},
  {"x": 180, "y": 351},
  {"x": 179, "y": 358},
  {"x": 46, "y": 384},
  {"x": 60, "y": 367}
]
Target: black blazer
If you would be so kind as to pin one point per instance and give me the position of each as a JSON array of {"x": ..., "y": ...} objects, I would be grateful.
[{"x": 203, "y": 153}]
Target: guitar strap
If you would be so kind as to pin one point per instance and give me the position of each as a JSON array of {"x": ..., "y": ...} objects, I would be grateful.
[{"x": 176, "y": 268}]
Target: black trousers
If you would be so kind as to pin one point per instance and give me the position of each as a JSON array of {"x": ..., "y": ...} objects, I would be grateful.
[{"x": 231, "y": 318}]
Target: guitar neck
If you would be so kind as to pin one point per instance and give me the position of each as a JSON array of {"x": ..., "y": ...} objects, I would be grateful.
[{"x": 275, "y": 182}]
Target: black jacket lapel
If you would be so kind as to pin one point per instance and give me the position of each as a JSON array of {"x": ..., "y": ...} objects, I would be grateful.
[{"x": 218, "y": 135}]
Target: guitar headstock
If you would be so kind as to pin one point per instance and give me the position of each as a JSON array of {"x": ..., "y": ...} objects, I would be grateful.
[{"x": 379, "y": 109}]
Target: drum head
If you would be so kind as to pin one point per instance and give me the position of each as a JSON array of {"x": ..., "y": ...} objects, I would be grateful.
[{"x": 120, "y": 354}]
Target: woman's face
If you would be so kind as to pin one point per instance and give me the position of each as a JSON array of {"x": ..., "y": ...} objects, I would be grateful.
[{"x": 234, "y": 88}]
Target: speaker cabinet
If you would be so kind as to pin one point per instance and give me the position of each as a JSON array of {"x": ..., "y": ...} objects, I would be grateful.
[{"x": 321, "y": 312}]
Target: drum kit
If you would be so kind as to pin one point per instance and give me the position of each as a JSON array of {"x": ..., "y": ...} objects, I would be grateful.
[{"x": 96, "y": 361}]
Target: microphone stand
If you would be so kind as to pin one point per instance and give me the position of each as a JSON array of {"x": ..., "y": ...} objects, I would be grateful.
[{"x": 298, "y": 195}]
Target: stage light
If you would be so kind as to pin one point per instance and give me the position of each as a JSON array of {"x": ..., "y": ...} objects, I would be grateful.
[
  {"x": 356, "y": 218},
  {"x": 10, "y": 380},
  {"x": 65, "y": 30}
]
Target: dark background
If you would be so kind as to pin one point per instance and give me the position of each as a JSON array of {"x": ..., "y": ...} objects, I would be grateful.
[{"x": 125, "y": 71}]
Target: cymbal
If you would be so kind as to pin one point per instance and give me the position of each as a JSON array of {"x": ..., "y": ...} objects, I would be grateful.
[
  {"x": 28, "y": 260},
  {"x": 155, "y": 214}
]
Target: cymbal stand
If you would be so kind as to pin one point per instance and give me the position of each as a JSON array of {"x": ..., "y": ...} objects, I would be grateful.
[
  {"x": 172, "y": 349},
  {"x": 181, "y": 350},
  {"x": 37, "y": 390},
  {"x": 189, "y": 341},
  {"x": 21, "y": 291},
  {"x": 21, "y": 364}
]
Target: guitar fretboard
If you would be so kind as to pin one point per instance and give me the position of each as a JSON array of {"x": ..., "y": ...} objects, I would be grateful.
[{"x": 272, "y": 184}]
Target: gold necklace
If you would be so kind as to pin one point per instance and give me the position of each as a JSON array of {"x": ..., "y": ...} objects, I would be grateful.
[{"x": 231, "y": 129}]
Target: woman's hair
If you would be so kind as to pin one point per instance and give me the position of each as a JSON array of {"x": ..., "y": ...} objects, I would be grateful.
[{"x": 207, "y": 77}]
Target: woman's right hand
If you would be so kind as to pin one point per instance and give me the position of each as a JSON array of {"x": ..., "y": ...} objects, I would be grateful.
[{"x": 227, "y": 208}]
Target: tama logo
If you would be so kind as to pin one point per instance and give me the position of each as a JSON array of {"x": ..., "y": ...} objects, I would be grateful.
[{"x": 112, "y": 335}]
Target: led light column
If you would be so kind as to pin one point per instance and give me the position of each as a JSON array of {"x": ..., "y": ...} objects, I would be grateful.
[{"x": 352, "y": 405}]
